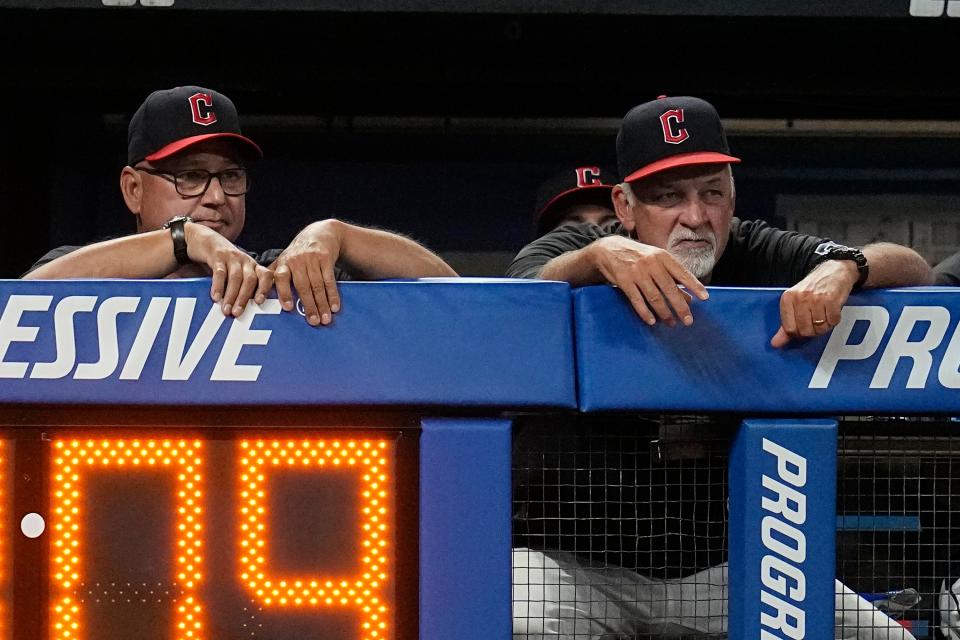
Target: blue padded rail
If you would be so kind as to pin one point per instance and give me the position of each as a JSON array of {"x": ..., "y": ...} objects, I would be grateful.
[
  {"x": 466, "y": 342},
  {"x": 894, "y": 351}
]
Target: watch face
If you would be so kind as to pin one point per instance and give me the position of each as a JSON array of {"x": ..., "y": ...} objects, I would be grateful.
[
  {"x": 828, "y": 247},
  {"x": 830, "y": 250},
  {"x": 177, "y": 219}
]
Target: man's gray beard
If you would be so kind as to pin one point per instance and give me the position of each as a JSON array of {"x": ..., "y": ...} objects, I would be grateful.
[{"x": 700, "y": 262}]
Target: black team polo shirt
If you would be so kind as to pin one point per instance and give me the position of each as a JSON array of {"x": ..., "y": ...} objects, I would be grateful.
[{"x": 757, "y": 255}]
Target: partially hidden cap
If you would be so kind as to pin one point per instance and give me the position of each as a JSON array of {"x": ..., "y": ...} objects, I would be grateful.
[
  {"x": 571, "y": 187},
  {"x": 172, "y": 120},
  {"x": 670, "y": 132}
]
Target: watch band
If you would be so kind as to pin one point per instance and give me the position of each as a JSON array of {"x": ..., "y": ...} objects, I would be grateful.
[
  {"x": 863, "y": 267},
  {"x": 179, "y": 238},
  {"x": 833, "y": 251}
]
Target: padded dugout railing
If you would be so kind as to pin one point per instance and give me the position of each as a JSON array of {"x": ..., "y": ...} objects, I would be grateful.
[
  {"x": 895, "y": 353},
  {"x": 439, "y": 363}
]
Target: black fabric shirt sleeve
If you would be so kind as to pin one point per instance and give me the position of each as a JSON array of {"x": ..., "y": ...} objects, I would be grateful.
[
  {"x": 569, "y": 237},
  {"x": 268, "y": 257},
  {"x": 758, "y": 255},
  {"x": 948, "y": 271}
]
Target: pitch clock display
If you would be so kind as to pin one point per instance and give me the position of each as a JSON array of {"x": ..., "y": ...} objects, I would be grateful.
[{"x": 279, "y": 537}]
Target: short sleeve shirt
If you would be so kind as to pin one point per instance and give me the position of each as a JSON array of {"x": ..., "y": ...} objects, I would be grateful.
[{"x": 757, "y": 255}]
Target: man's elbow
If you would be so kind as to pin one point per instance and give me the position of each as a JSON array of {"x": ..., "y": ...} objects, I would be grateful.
[
  {"x": 906, "y": 267},
  {"x": 441, "y": 270},
  {"x": 922, "y": 272}
]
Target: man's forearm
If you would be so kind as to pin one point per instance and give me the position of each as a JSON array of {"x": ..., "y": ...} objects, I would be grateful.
[
  {"x": 376, "y": 254},
  {"x": 144, "y": 255},
  {"x": 576, "y": 267},
  {"x": 893, "y": 265}
]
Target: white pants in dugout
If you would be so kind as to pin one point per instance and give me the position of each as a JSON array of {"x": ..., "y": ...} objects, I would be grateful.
[{"x": 555, "y": 597}]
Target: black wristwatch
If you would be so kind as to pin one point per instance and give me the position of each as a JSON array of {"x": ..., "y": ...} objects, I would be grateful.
[
  {"x": 832, "y": 251},
  {"x": 179, "y": 238}
]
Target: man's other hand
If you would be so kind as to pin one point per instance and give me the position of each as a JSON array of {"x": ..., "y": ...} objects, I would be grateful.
[
  {"x": 309, "y": 263},
  {"x": 812, "y": 306},
  {"x": 648, "y": 276}
]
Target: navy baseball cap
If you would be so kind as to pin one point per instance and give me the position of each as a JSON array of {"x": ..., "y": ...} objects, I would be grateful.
[
  {"x": 172, "y": 120},
  {"x": 572, "y": 187},
  {"x": 670, "y": 132}
]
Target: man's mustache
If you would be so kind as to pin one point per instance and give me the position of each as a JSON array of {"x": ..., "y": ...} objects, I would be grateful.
[{"x": 681, "y": 236}]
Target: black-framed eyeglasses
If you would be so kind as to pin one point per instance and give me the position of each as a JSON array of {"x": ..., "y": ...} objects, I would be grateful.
[{"x": 193, "y": 183}]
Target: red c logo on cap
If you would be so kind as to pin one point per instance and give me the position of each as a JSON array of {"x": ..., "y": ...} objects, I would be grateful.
[
  {"x": 201, "y": 106},
  {"x": 587, "y": 176},
  {"x": 673, "y": 131}
]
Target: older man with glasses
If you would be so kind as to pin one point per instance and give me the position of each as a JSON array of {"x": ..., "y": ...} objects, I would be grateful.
[{"x": 186, "y": 182}]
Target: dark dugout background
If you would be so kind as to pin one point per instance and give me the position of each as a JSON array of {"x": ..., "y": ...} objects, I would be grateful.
[{"x": 439, "y": 120}]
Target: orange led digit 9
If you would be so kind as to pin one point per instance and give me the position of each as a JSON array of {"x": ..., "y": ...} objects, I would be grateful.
[
  {"x": 73, "y": 461},
  {"x": 363, "y": 591}
]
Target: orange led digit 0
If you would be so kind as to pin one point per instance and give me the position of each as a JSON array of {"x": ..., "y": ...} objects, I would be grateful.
[
  {"x": 363, "y": 591},
  {"x": 73, "y": 460}
]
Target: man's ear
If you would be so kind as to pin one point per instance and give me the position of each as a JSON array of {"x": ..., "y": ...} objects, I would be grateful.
[
  {"x": 621, "y": 206},
  {"x": 131, "y": 186}
]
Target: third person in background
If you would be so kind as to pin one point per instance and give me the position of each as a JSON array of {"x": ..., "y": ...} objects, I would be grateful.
[{"x": 575, "y": 195}]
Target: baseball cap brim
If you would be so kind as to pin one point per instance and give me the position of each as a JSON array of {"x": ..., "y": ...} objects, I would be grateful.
[
  {"x": 564, "y": 194},
  {"x": 681, "y": 160},
  {"x": 179, "y": 145}
]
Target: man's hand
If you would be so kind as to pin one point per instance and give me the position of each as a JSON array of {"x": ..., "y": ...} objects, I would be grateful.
[
  {"x": 812, "y": 306},
  {"x": 309, "y": 262},
  {"x": 648, "y": 276},
  {"x": 236, "y": 276}
]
